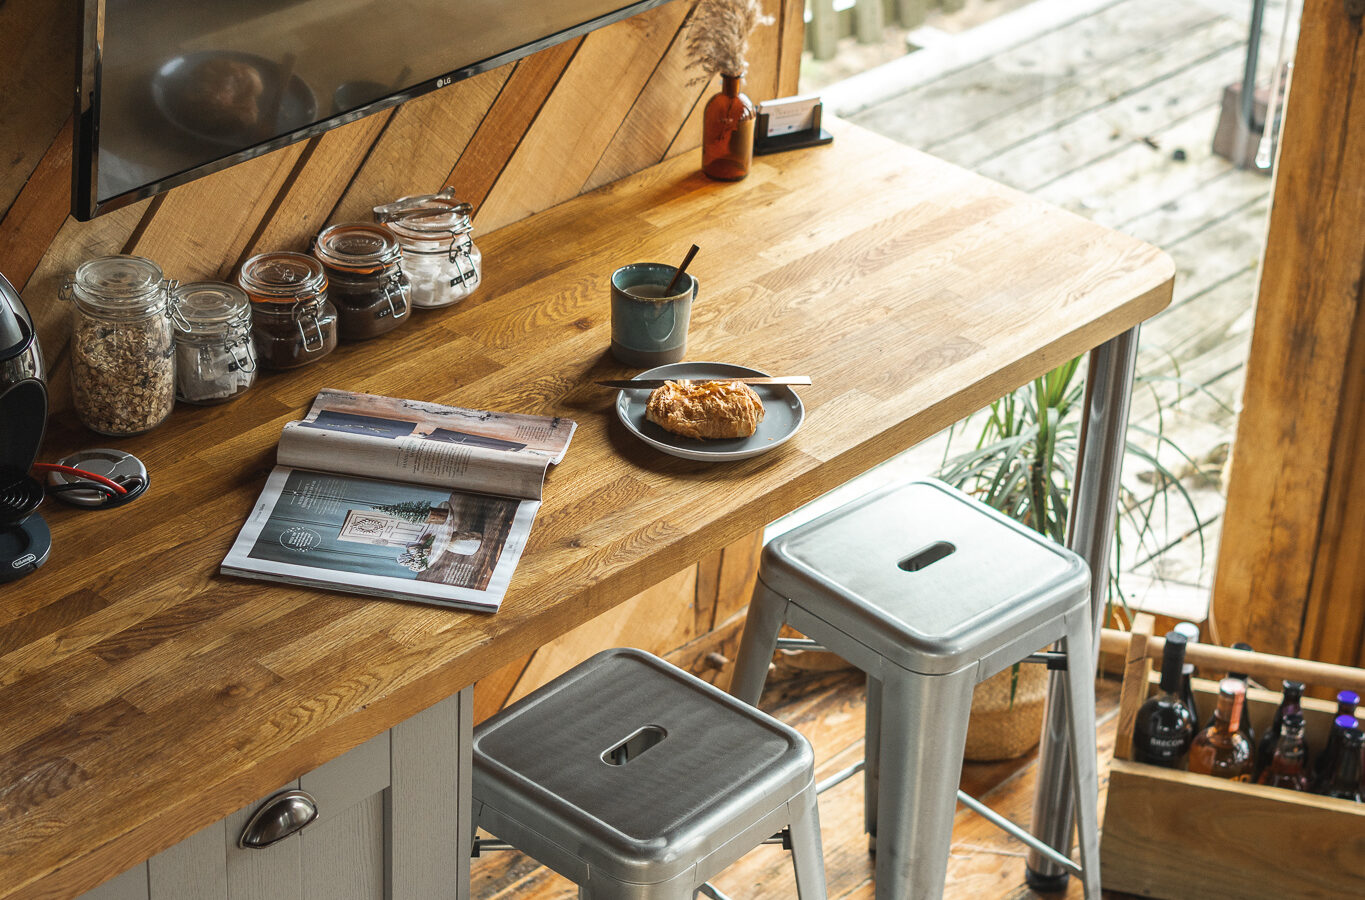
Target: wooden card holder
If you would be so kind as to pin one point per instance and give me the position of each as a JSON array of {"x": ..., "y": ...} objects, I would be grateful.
[{"x": 1172, "y": 834}]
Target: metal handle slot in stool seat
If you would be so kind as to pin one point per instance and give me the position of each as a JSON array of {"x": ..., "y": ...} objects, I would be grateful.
[
  {"x": 633, "y": 746},
  {"x": 924, "y": 558}
]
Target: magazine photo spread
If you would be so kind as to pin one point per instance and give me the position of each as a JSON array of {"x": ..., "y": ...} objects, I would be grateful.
[{"x": 399, "y": 498}]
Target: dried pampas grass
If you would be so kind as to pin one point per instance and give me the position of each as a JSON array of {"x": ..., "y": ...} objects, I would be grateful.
[{"x": 718, "y": 36}]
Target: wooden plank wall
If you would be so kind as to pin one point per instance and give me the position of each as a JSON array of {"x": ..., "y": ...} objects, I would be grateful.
[
  {"x": 1290, "y": 575},
  {"x": 512, "y": 141}
]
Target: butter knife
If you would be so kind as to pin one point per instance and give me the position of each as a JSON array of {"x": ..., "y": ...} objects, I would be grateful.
[{"x": 652, "y": 383}]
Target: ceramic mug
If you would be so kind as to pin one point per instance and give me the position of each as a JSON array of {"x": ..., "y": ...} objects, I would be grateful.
[{"x": 647, "y": 328}]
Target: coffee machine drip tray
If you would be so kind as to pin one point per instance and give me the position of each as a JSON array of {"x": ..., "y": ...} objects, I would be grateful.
[{"x": 23, "y": 547}]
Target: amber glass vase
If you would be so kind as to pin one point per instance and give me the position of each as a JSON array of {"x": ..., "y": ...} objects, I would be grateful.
[{"x": 727, "y": 143}]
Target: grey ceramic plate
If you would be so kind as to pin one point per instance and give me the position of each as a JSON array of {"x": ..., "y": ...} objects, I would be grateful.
[{"x": 782, "y": 415}]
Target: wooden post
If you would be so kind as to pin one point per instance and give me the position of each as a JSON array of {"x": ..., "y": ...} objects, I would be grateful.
[
  {"x": 1136, "y": 668},
  {"x": 1289, "y": 575}
]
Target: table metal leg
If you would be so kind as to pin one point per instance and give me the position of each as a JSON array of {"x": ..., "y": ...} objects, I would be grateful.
[{"x": 1094, "y": 503}]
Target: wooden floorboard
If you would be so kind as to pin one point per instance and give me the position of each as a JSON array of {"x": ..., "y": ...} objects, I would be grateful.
[
  {"x": 1111, "y": 116},
  {"x": 985, "y": 863}
]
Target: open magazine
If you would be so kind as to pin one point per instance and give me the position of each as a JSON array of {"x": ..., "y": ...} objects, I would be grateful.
[{"x": 397, "y": 498}]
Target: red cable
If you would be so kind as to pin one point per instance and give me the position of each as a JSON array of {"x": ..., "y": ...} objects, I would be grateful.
[{"x": 72, "y": 470}]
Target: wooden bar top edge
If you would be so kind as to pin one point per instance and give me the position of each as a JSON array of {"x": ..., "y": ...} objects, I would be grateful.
[{"x": 912, "y": 291}]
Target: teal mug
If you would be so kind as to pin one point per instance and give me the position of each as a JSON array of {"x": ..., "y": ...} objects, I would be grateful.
[{"x": 647, "y": 328}]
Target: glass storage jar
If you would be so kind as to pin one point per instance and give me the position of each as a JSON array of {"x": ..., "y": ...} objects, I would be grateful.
[
  {"x": 439, "y": 255},
  {"x": 292, "y": 321},
  {"x": 122, "y": 355},
  {"x": 364, "y": 281},
  {"x": 215, "y": 360}
]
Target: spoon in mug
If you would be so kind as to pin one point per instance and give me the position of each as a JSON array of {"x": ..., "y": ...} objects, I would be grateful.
[{"x": 687, "y": 261}]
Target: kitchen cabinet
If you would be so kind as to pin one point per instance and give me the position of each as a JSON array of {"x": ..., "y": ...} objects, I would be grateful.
[{"x": 389, "y": 827}]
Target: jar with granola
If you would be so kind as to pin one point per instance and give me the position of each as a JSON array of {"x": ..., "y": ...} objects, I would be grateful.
[
  {"x": 122, "y": 351},
  {"x": 292, "y": 321},
  {"x": 439, "y": 256}
]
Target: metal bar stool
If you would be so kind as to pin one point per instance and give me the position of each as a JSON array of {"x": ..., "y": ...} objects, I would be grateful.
[
  {"x": 929, "y": 592},
  {"x": 638, "y": 781}
]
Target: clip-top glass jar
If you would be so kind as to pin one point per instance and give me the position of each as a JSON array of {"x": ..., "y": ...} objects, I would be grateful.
[
  {"x": 122, "y": 357},
  {"x": 364, "y": 281},
  {"x": 292, "y": 321},
  {"x": 215, "y": 360},
  {"x": 439, "y": 255}
]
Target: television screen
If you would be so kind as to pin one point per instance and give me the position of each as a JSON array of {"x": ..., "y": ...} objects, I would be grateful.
[{"x": 172, "y": 90}]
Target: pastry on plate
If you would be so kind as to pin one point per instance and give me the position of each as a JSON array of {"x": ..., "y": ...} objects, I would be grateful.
[
  {"x": 705, "y": 409},
  {"x": 221, "y": 96}
]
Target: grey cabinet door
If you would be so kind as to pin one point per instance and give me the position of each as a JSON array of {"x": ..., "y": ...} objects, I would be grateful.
[{"x": 393, "y": 824}]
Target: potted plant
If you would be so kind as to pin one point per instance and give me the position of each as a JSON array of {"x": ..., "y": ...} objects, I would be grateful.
[{"x": 1023, "y": 464}]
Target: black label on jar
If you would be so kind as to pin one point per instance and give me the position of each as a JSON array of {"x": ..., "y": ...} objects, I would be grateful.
[{"x": 461, "y": 278}]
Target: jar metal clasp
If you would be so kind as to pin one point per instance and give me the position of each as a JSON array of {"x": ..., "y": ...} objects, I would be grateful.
[
  {"x": 396, "y": 286},
  {"x": 242, "y": 356}
]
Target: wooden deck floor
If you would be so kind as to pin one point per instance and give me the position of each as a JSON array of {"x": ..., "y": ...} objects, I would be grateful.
[
  {"x": 1108, "y": 108},
  {"x": 985, "y": 864}
]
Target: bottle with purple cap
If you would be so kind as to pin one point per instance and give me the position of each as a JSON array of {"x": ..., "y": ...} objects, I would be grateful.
[
  {"x": 1347, "y": 701},
  {"x": 1343, "y": 780}
]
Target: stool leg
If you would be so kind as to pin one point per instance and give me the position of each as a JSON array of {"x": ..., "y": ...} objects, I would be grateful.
[
  {"x": 1080, "y": 702},
  {"x": 808, "y": 859},
  {"x": 923, "y": 733},
  {"x": 872, "y": 752},
  {"x": 767, "y": 612}
]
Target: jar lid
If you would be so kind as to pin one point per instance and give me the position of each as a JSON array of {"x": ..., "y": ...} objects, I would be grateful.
[
  {"x": 209, "y": 306},
  {"x": 282, "y": 276},
  {"x": 359, "y": 247},
  {"x": 119, "y": 284},
  {"x": 426, "y": 216}
]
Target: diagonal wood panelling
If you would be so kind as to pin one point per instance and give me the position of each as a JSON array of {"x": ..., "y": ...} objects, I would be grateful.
[{"x": 513, "y": 141}]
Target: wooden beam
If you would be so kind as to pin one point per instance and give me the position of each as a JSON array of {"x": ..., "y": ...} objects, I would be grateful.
[{"x": 1287, "y": 439}]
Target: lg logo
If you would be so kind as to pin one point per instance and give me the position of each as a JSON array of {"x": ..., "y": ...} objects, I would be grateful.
[{"x": 442, "y": 82}]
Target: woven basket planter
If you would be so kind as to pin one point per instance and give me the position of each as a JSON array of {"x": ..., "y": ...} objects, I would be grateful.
[{"x": 999, "y": 729}]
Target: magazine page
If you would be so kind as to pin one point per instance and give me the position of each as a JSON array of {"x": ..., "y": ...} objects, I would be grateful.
[
  {"x": 426, "y": 443},
  {"x": 364, "y": 536}
]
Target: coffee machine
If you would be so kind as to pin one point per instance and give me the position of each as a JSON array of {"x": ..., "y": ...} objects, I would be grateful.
[{"x": 24, "y": 537}]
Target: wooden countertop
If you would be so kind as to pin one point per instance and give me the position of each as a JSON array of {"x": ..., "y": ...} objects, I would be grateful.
[{"x": 144, "y": 696}]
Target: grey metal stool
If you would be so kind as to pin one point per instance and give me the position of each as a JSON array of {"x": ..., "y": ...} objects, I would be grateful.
[
  {"x": 638, "y": 781},
  {"x": 929, "y": 592}
]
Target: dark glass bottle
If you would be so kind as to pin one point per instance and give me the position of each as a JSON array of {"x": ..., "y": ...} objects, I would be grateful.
[
  {"x": 1291, "y": 702},
  {"x": 727, "y": 137},
  {"x": 1347, "y": 701},
  {"x": 1222, "y": 750},
  {"x": 1327, "y": 759},
  {"x": 1165, "y": 726},
  {"x": 1343, "y": 781},
  {"x": 1191, "y": 633},
  {"x": 1287, "y": 761}
]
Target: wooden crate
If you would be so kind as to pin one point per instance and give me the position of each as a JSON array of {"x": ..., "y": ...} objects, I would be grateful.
[{"x": 1172, "y": 834}]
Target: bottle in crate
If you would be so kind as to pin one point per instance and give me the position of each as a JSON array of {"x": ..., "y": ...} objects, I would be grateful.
[
  {"x": 1347, "y": 701},
  {"x": 1244, "y": 723},
  {"x": 1343, "y": 781},
  {"x": 1222, "y": 749},
  {"x": 1165, "y": 726},
  {"x": 1286, "y": 764},
  {"x": 1291, "y": 702},
  {"x": 1191, "y": 633}
]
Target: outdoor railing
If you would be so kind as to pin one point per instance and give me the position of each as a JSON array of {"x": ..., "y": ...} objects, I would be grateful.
[{"x": 830, "y": 20}]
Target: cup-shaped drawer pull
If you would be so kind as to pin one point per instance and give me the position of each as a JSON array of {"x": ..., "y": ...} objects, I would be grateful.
[{"x": 286, "y": 813}]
